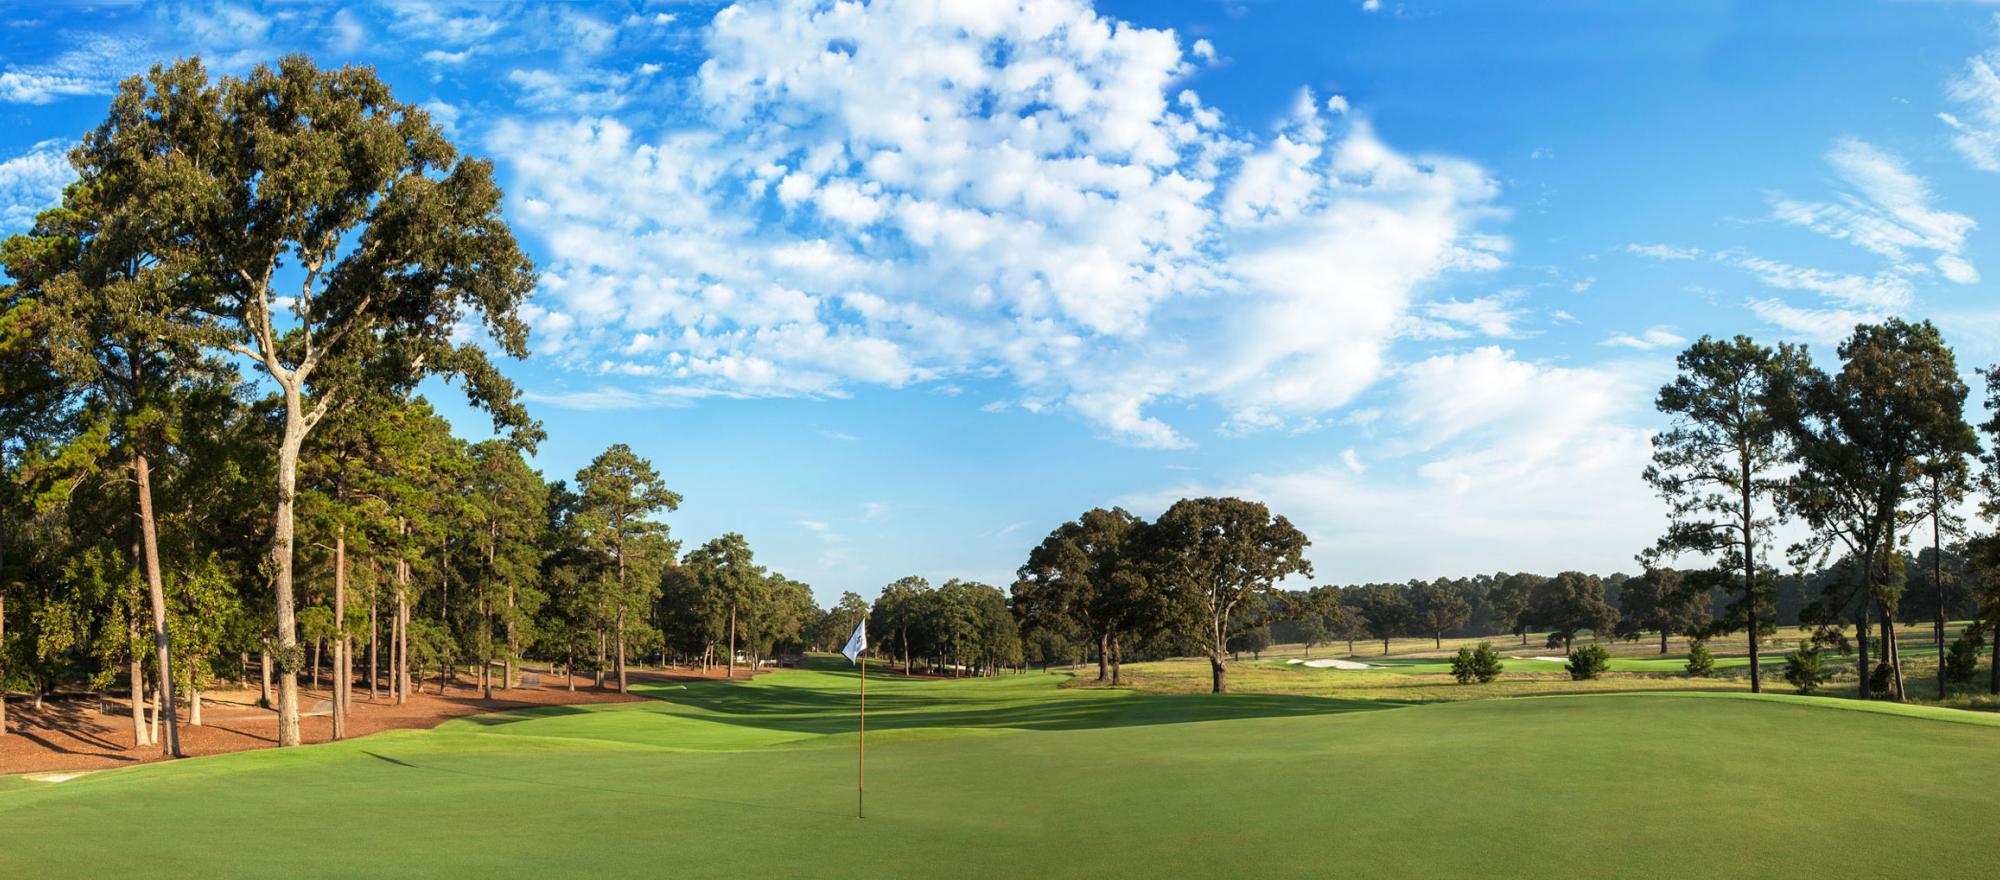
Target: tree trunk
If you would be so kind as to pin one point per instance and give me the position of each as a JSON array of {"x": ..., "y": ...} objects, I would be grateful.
[
  {"x": 1937, "y": 581},
  {"x": 1437, "y": 641},
  {"x": 1663, "y": 641},
  {"x": 486, "y": 661},
  {"x": 1117, "y": 661},
  {"x": 403, "y": 643},
  {"x": 170, "y": 746},
  {"x": 194, "y": 704},
  {"x": 1385, "y": 646},
  {"x": 1861, "y": 635},
  {"x": 264, "y": 689},
  {"x": 513, "y": 646},
  {"x": 1750, "y": 572},
  {"x": 3, "y": 657},
  {"x": 1104, "y": 656},
  {"x": 732, "y": 641},
  {"x": 282, "y": 535},
  {"x": 374, "y": 606},
  {"x": 1993, "y": 668},
  {"x": 315, "y": 663},
  {"x": 138, "y": 673},
  {"x": 159, "y": 698},
  {"x": 1892, "y": 654},
  {"x": 1219, "y": 670},
  {"x": 340, "y": 641}
]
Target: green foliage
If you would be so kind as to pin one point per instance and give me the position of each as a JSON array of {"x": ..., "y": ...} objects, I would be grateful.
[
  {"x": 1961, "y": 660},
  {"x": 1437, "y": 609},
  {"x": 1461, "y": 665},
  {"x": 1570, "y": 604},
  {"x": 1589, "y": 661},
  {"x": 1865, "y": 437},
  {"x": 1700, "y": 663},
  {"x": 1085, "y": 578},
  {"x": 1732, "y": 406},
  {"x": 1214, "y": 556},
  {"x": 1803, "y": 669},
  {"x": 1480, "y": 664},
  {"x": 1384, "y": 611},
  {"x": 1252, "y": 640}
]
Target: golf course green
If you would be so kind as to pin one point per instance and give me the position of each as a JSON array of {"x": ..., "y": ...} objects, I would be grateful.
[{"x": 1016, "y": 775}]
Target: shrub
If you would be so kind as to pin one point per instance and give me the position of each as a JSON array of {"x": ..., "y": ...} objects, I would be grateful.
[
  {"x": 1461, "y": 666},
  {"x": 1802, "y": 669},
  {"x": 1961, "y": 661},
  {"x": 1878, "y": 683},
  {"x": 1701, "y": 664},
  {"x": 1589, "y": 661},
  {"x": 1486, "y": 664},
  {"x": 1482, "y": 664}
]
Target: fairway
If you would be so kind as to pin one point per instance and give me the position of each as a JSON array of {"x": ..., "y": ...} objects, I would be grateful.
[{"x": 1015, "y": 775}]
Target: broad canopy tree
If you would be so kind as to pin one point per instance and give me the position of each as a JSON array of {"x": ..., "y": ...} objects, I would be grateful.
[
  {"x": 1212, "y": 556},
  {"x": 1087, "y": 572},
  {"x": 1862, "y": 437},
  {"x": 340, "y": 241}
]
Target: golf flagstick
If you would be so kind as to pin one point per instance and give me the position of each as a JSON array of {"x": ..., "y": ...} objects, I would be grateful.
[
  {"x": 857, "y": 652},
  {"x": 861, "y": 757}
]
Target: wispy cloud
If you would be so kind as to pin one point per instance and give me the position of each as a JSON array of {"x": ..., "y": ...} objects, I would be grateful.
[
  {"x": 1663, "y": 251},
  {"x": 1888, "y": 211},
  {"x": 1655, "y": 337},
  {"x": 1977, "y": 133},
  {"x": 1884, "y": 291},
  {"x": 92, "y": 67}
]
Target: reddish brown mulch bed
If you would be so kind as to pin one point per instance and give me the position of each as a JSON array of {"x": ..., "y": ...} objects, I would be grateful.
[{"x": 71, "y": 733}]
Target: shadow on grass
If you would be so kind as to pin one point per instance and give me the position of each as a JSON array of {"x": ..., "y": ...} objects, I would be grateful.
[
  {"x": 828, "y": 703},
  {"x": 655, "y": 794},
  {"x": 511, "y": 716}
]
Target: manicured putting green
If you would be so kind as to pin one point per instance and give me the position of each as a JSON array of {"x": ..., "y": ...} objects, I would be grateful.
[{"x": 1013, "y": 776}]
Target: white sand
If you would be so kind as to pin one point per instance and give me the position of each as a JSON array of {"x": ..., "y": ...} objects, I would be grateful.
[
  {"x": 56, "y": 777},
  {"x": 1294, "y": 660},
  {"x": 1338, "y": 664},
  {"x": 1546, "y": 659}
]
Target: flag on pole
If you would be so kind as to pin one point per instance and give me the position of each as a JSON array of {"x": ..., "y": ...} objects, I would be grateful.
[{"x": 858, "y": 642}]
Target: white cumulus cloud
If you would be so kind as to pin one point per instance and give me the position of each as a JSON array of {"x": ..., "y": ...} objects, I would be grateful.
[{"x": 905, "y": 192}]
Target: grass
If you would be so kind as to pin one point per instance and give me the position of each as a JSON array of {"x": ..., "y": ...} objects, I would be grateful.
[{"x": 1020, "y": 775}]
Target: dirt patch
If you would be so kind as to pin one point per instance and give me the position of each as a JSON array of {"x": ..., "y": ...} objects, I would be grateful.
[{"x": 77, "y": 733}]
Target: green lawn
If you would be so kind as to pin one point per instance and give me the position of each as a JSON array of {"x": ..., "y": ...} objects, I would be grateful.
[{"x": 1015, "y": 776}]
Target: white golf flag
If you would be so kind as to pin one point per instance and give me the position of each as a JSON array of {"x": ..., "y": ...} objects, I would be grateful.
[{"x": 858, "y": 642}]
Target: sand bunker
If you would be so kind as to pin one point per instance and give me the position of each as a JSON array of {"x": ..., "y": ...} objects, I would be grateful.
[
  {"x": 1548, "y": 659},
  {"x": 1337, "y": 664},
  {"x": 55, "y": 777}
]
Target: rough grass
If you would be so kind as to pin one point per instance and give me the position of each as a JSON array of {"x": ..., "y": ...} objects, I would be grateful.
[{"x": 1015, "y": 776}]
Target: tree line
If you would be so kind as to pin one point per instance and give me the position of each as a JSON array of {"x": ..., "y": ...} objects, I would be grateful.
[
  {"x": 1873, "y": 458},
  {"x": 213, "y": 448},
  {"x": 1869, "y": 455}
]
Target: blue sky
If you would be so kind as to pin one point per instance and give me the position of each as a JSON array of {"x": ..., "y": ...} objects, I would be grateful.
[{"x": 895, "y": 288}]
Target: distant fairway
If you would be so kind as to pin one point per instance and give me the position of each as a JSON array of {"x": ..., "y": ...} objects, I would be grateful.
[{"x": 1013, "y": 775}]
